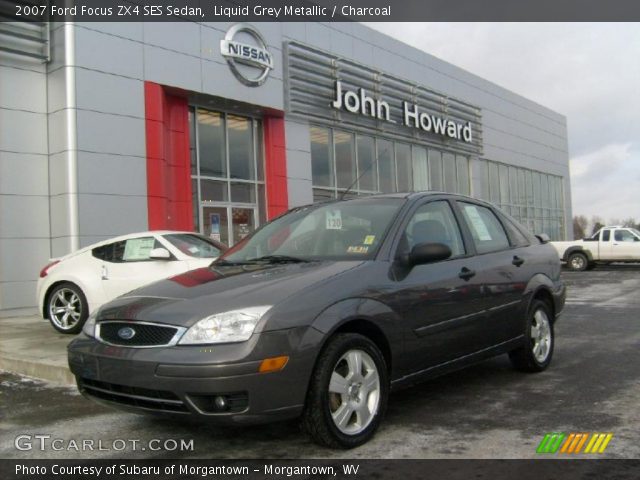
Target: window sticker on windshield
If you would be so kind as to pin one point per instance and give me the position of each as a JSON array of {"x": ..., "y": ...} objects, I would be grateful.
[
  {"x": 357, "y": 249},
  {"x": 334, "y": 220},
  {"x": 369, "y": 239},
  {"x": 138, "y": 248},
  {"x": 193, "y": 249},
  {"x": 477, "y": 223}
]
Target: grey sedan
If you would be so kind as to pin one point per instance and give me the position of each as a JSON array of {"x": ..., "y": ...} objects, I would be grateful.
[{"x": 322, "y": 312}]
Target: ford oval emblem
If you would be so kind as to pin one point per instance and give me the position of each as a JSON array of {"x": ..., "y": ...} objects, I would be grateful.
[{"x": 126, "y": 333}]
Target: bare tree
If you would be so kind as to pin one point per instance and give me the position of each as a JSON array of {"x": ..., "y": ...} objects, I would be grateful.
[
  {"x": 629, "y": 223},
  {"x": 597, "y": 224},
  {"x": 580, "y": 224}
]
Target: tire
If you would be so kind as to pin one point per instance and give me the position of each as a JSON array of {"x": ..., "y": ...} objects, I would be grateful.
[
  {"x": 537, "y": 350},
  {"x": 578, "y": 262},
  {"x": 358, "y": 409},
  {"x": 67, "y": 308}
]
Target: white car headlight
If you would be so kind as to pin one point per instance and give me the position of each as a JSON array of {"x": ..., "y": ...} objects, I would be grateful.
[
  {"x": 89, "y": 328},
  {"x": 227, "y": 327}
]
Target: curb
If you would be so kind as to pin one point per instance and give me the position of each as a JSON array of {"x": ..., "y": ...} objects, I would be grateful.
[{"x": 52, "y": 373}]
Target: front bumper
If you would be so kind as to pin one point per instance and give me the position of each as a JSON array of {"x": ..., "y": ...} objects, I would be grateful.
[{"x": 186, "y": 380}]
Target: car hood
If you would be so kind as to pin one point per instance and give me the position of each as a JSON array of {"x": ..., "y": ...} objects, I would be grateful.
[{"x": 186, "y": 298}]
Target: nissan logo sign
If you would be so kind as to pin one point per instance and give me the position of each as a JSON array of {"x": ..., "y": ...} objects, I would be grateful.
[
  {"x": 254, "y": 56},
  {"x": 126, "y": 333}
]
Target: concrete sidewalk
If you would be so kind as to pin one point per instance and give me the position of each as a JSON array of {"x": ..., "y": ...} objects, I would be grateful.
[{"x": 30, "y": 346}]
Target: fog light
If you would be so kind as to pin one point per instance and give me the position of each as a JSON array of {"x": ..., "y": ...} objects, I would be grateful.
[
  {"x": 273, "y": 364},
  {"x": 220, "y": 403}
]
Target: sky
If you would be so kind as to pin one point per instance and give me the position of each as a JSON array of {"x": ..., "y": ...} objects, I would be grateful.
[{"x": 589, "y": 72}]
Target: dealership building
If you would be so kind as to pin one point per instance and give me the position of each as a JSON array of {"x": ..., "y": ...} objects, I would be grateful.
[{"x": 113, "y": 128}]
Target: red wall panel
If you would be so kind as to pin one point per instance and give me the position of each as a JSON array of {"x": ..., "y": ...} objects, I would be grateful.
[
  {"x": 169, "y": 201},
  {"x": 275, "y": 166}
]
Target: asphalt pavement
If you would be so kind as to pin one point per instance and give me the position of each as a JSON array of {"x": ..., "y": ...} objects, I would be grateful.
[{"x": 486, "y": 411}]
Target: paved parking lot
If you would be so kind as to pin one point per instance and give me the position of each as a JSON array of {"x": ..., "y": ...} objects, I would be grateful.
[{"x": 488, "y": 411}]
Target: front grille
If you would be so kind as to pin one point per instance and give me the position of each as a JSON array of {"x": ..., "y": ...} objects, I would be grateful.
[
  {"x": 149, "y": 399},
  {"x": 144, "y": 334}
]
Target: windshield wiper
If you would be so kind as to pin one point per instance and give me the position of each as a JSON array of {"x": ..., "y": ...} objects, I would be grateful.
[
  {"x": 278, "y": 259},
  {"x": 227, "y": 263}
]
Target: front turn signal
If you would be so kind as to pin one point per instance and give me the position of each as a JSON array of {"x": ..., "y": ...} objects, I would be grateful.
[{"x": 274, "y": 364}]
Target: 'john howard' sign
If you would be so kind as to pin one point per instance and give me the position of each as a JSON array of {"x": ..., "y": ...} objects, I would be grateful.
[{"x": 361, "y": 103}]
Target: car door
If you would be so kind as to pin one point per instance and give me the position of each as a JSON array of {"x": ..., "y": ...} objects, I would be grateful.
[
  {"x": 502, "y": 271},
  {"x": 438, "y": 302},
  {"x": 625, "y": 245},
  {"x": 130, "y": 267}
]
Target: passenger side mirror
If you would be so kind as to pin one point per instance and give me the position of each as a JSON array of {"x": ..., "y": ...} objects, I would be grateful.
[
  {"x": 428, "y": 253},
  {"x": 160, "y": 254}
]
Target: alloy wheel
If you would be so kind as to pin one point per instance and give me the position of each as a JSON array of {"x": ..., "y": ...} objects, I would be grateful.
[
  {"x": 65, "y": 308},
  {"x": 354, "y": 392},
  {"x": 540, "y": 336}
]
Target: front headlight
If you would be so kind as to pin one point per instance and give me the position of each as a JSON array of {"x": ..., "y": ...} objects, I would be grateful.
[
  {"x": 89, "y": 328},
  {"x": 227, "y": 327}
]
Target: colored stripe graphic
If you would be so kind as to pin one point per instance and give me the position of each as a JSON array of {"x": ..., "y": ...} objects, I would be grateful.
[
  {"x": 573, "y": 443},
  {"x": 550, "y": 443}
]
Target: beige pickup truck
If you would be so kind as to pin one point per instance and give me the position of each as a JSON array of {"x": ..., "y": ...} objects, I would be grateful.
[{"x": 607, "y": 245}]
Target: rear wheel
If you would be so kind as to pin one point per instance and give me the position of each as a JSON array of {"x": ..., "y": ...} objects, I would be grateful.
[
  {"x": 348, "y": 392},
  {"x": 577, "y": 262},
  {"x": 537, "y": 350},
  {"x": 67, "y": 308}
]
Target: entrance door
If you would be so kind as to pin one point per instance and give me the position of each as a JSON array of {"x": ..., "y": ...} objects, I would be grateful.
[{"x": 229, "y": 224}]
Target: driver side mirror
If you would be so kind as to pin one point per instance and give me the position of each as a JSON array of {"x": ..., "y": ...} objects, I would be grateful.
[
  {"x": 428, "y": 253},
  {"x": 160, "y": 254}
]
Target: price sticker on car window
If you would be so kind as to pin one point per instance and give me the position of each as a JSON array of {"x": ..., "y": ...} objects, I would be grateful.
[
  {"x": 334, "y": 220},
  {"x": 477, "y": 223}
]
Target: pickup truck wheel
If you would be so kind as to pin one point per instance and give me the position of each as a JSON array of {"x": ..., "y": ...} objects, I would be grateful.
[{"x": 578, "y": 262}]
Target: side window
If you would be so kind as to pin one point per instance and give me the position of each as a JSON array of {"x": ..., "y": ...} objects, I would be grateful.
[
  {"x": 487, "y": 231},
  {"x": 517, "y": 237},
  {"x": 606, "y": 235},
  {"x": 624, "y": 236},
  {"x": 433, "y": 223},
  {"x": 134, "y": 249},
  {"x": 104, "y": 252}
]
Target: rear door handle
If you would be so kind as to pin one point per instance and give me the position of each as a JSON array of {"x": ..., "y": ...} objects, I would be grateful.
[
  {"x": 104, "y": 273},
  {"x": 517, "y": 261},
  {"x": 466, "y": 274}
]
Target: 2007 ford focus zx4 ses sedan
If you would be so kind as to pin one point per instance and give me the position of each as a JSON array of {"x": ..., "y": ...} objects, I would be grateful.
[{"x": 324, "y": 310}]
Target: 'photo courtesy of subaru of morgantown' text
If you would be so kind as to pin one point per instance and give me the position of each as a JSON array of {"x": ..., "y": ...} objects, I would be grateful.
[{"x": 319, "y": 239}]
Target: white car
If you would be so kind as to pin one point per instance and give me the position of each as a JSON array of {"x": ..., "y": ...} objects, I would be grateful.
[{"x": 71, "y": 287}]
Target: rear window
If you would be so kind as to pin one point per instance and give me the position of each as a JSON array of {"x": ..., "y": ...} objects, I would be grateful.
[{"x": 193, "y": 245}]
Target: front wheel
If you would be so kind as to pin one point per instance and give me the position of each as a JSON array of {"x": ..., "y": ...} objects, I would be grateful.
[
  {"x": 577, "y": 262},
  {"x": 348, "y": 392},
  {"x": 537, "y": 350},
  {"x": 67, "y": 308}
]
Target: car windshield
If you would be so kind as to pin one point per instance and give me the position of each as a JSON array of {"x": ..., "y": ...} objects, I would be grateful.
[
  {"x": 349, "y": 230},
  {"x": 193, "y": 245},
  {"x": 637, "y": 233}
]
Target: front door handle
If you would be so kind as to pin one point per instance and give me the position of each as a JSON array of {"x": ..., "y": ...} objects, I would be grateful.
[
  {"x": 517, "y": 261},
  {"x": 466, "y": 274}
]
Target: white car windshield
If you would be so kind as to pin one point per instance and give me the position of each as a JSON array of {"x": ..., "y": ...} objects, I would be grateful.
[{"x": 350, "y": 230}]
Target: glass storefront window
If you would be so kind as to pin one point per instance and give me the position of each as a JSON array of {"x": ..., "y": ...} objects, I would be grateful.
[
  {"x": 462, "y": 169},
  {"x": 367, "y": 168},
  {"x": 435, "y": 170},
  {"x": 420, "y": 169},
  {"x": 211, "y": 144},
  {"x": 386, "y": 167},
  {"x": 403, "y": 165},
  {"x": 227, "y": 174},
  {"x": 241, "y": 161},
  {"x": 449, "y": 165},
  {"x": 345, "y": 159}
]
